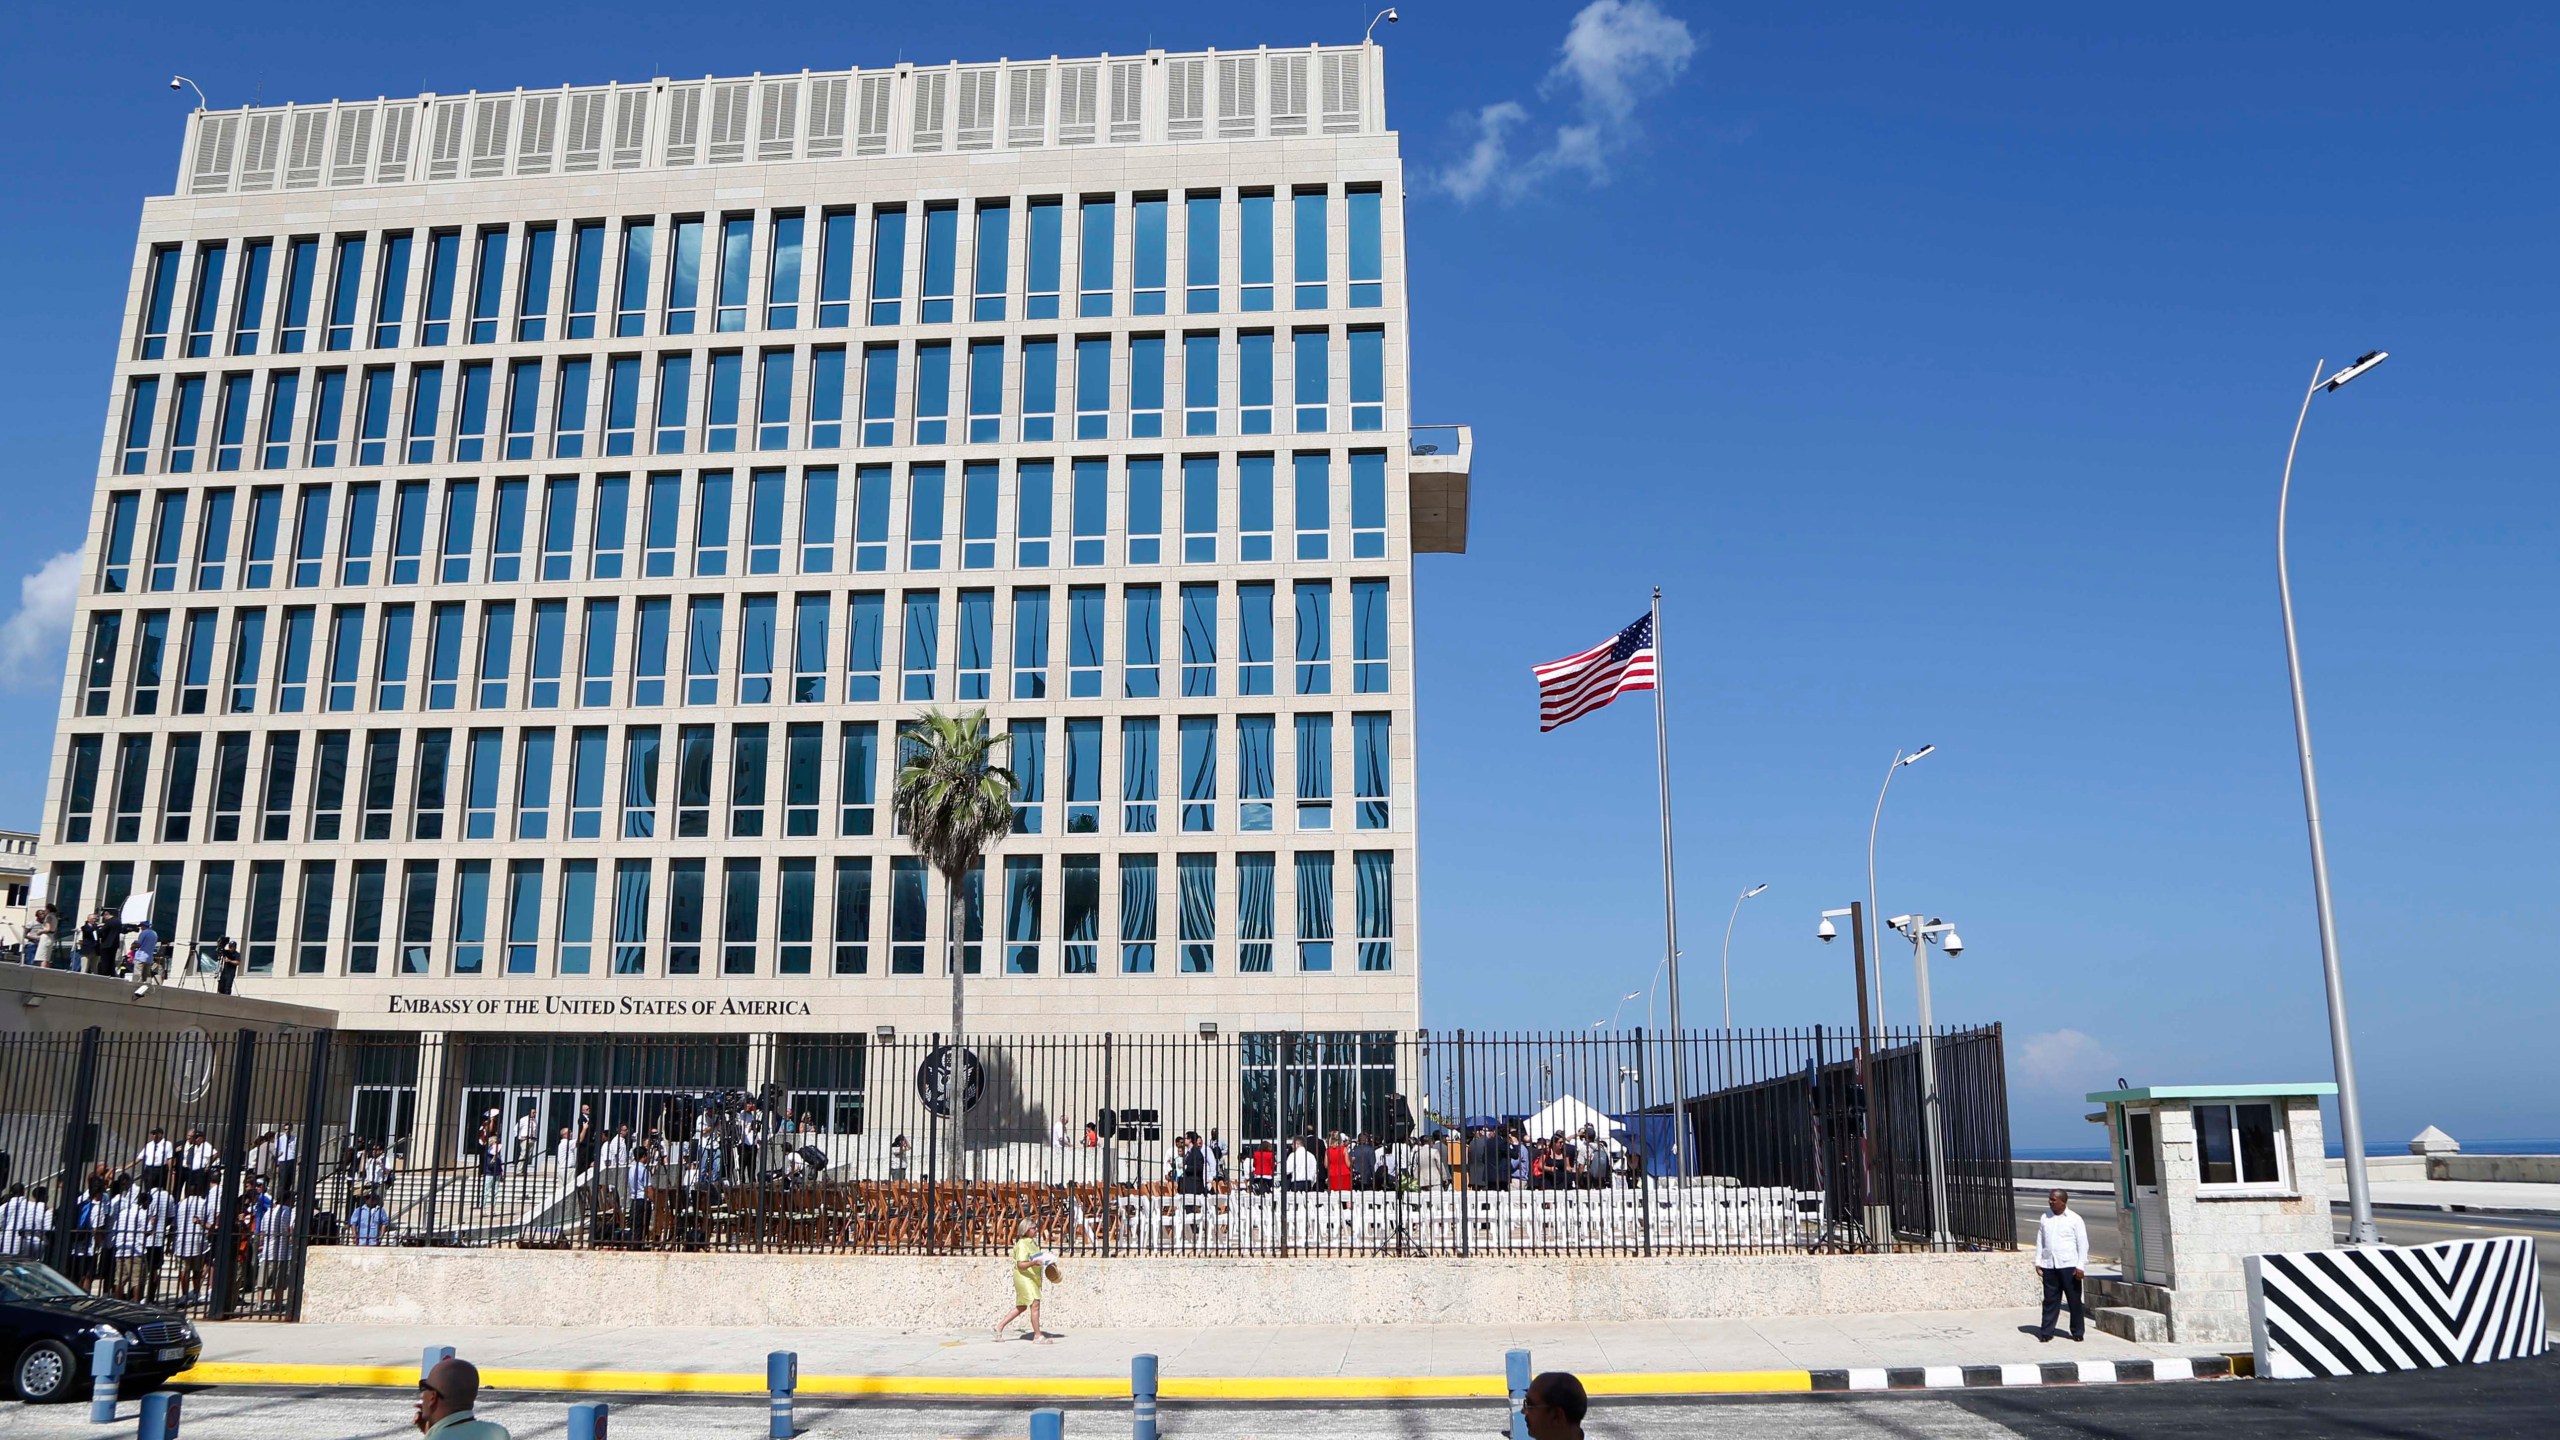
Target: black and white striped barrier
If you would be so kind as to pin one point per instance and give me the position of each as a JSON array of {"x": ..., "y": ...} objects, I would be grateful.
[
  {"x": 2050, "y": 1372},
  {"x": 2377, "y": 1308}
]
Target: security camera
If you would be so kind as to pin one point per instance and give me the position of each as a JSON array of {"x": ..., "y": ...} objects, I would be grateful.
[
  {"x": 1953, "y": 944},
  {"x": 1392, "y": 16},
  {"x": 174, "y": 83},
  {"x": 1824, "y": 931}
]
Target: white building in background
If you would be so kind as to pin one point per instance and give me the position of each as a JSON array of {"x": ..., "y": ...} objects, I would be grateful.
[{"x": 525, "y": 520}]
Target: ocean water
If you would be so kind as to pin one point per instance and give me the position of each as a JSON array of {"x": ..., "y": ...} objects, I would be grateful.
[{"x": 2469, "y": 1147}]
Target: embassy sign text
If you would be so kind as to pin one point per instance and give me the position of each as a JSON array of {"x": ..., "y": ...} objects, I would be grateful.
[{"x": 589, "y": 1006}]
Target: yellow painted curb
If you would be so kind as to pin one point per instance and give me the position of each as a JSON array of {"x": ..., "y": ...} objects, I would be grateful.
[{"x": 1260, "y": 1387}]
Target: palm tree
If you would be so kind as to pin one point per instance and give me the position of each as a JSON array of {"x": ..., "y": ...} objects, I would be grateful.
[{"x": 953, "y": 801}]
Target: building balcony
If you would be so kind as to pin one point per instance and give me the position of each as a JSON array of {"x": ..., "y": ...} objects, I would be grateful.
[{"x": 1437, "y": 459}]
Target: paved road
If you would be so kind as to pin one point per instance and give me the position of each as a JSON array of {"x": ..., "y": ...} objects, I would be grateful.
[
  {"x": 2399, "y": 1227},
  {"x": 2488, "y": 1402}
]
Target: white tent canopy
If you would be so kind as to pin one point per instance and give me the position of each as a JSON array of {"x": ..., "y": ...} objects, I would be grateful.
[{"x": 1566, "y": 1115}]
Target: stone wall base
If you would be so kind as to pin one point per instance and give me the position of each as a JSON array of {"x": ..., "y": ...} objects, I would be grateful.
[{"x": 926, "y": 1294}]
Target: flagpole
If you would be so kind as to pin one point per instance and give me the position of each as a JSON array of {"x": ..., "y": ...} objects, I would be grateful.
[{"x": 1670, "y": 909}]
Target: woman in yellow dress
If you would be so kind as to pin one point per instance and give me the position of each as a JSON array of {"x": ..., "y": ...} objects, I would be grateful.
[{"x": 1028, "y": 1280}]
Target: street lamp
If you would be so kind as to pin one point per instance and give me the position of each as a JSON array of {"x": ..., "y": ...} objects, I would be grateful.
[
  {"x": 1389, "y": 15},
  {"x": 1879, "y": 1226},
  {"x": 177, "y": 81},
  {"x": 2360, "y": 1226},
  {"x": 1728, "y": 949},
  {"x": 1899, "y": 760},
  {"x": 1925, "y": 933},
  {"x": 1612, "y": 1022}
]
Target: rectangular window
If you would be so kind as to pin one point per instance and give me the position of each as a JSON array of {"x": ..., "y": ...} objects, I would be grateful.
[
  {"x": 1199, "y": 509},
  {"x": 178, "y": 788},
  {"x": 1137, "y": 914},
  {"x": 1311, "y": 352},
  {"x": 346, "y": 657},
  {"x": 301, "y": 276},
  {"x": 444, "y": 262},
  {"x": 132, "y": 792},
  {"x": 756, "y": 649},
  {"x": 444, "y": 655},
  {"x": 693, "y": 782},
  {"x": 595, "y": 673},
  {"x": 480, "y": 785},
  {"x": 230, "y": 785},
  {"x": 720, "y": 412},
  {"x": 684, "y": 277},
  {"x": 1199, "y": 640},
  {"x": 1315, "y": 910},
  {"x": 586, "y": 273},
  {"x": 804, "y": 749},
  {"x": 249, "y": 309},
  {"x": 346, "y": 276},
  {"x": 1033, "y": 512},
  {"x": 675, "y": 394},
  {"x": 907, "y": 910},
  {"x": 749, "y": 751},
  {"x": 1253, "y": 637},
  {"x": 533, "y": 785},
  {"x": 1146, "y": 386},
  {"x": 80, "y": 790},
  {"x": 684, "y": 916},
  {"x": 365, "y": 897},
  {"x": 506, "y": 532},
  {"x": 1093, "y": 256},
  {"x": 195, "y": 682},
  {"x": 835, "y": 269},
  {"x": 533, "y": 291},
  {"x": 888, "y": 262},
  {"x": 1022, "y": 915},
  {"x": 104, "y": 631},
  {"x": 380, "y": 790},
  {"x": 1307, "y": 225},
  {"x": 231, "y": 423},
  {"x": 426, "y": 400},
  {"x": 1256, "y": 911},
  {"x": 1026, "y": 753},
  {"x": 880, "y": 394},
  {"x": 168, "y": 534},
  {"x": 391, "y": 666},
  {"x": 1040, "y": 389},
  {"x": 975, "y": 624},
  {"x": 266, "y": 520},
  {"x": 764, "y": 522},
  {"x": 1315, "y": 637},
  {"x": 622, "y": 405},
  {"x": 933, "y": 392},
  {"x": 797, "y": 892},
  {"x": 1080, "y": 913},
  {"x": 2239, "y": 1144},
  {"x": 1084, "y": 777},
  {"x": 809, "y": 617},
  {"x": 461, "y": 505},
  {"x": 661, "y": 524},
  {"x": 1084, "y": 642},
  {"x": 115, "y": 568},
  {"x": 640, "y": 782},
  {"x": 773, "y": 400},
  {"x": 569, "y": 409},
  {"x": 782, "y": 283},
  {"x": 865, "y": 618},
  {"x": 497, "y": 652},
  {"x": 1146, "y": 510},
  {"x": 186, "y": 418},
  {"x": 550, "y": 653},
  {"x": 1369, "y": 637},
  {"x": 559, "y": 526},
  {"x": 213, "y": 545},
  {"x": 1371, "y": 762},
  {"x": 524, "y": 404},
  {"x": 611, "y": 527},
  {"x": 577, "y": 916},
  {"x": 141, "y": 400},
  {"x": 310, "y": 535},
  {"x": 293, "y": 665},
  {"x": 266, "y": 914},
  {"x": 391, "y": 291},
  {"x": 488, "y": 281},
  {"x": 1142, "y": 642},
  {"x": 1367, "y": 267},
  {"x": 1199, "y": 773},
  {"x": 1368, "y": 378},
  {"x": 853, "y": 915},
  {"x": 284, "y": 752},
  {"x": 924, "y": 517},
  {"x": 206, "y": 296},
  {"x": 631, "y": 303},
  {"x": 988, "y": 259},
  {"x": 986, "y": 391},
  {"x": 1200, "y": 384},
  {"x": 1040, "y": 262},
  {"x": 941, "y": 259},
  {"x": 702, "y": 651},
  {"x": 857, "y": 776},
  {"x": 159, "y": 296},
  {"x": 275, "y": 448},
  {"x": 630, "y": 917},
  {"x": 1147, "y": 263},
  {"x": 1199, "y": 885},
  {"x": 1031, "y": 643},
  {"x": 1140, "y": 741},
  {"x": 711, "y": 523},
  {"x": 1093, "y": 387},
  {"x": 922, "y": 647},
  {"x": 417, "y": 915},
  {"x": 471, "y": 417},
  {"x": 1315, "y": 772},
  {"x": 428, "y": 787},
  {"x": 1374, "y": 873},
  {"x": 1200, "y": 253},
  {"x": 1254, "y": 273},
  {"x": 1314, "y": 503}
]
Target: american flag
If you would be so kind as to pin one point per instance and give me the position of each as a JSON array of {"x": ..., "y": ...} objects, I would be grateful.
[{"x": 1576, "y": 685}]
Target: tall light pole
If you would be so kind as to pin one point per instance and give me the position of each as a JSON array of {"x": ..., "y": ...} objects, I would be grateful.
[
  {"x": 1899, "y": 760},
  {"x": 1925, "y": 933},
  {"x": 1877, "y": 1219},
  {"x": 1728, "y": 949},
  {"x": 2360, "y": 1226}
]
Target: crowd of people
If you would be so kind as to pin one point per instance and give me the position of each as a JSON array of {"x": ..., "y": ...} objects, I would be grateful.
[
  {"x": 1480, "y": 1157},
  {"x": 103, "y": 944},
  {"x": 148, "y": 1231}
]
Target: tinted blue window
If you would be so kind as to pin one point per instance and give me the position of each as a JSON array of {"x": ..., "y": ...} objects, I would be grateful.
[
  {"x": 1093, "y": 263},
  {"x": 1147, "y": 263},
  {"x": 988, "y": 261}
]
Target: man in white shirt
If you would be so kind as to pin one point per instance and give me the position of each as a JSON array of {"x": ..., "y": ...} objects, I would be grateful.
[
  {"x": 635, "y": 1181},
  {"x": 192, "y": 1238},
  {"x": 2062, "y": 1258},
  {"x": 195, "y": 1160},
  {"x": 24, "y": 1223},
  {"x": 130, "y": 1234},
  {"x": 285, "y": 1152},
  {"x": 152, "y": 1160},
  {"x": 275, "y": 1247}
]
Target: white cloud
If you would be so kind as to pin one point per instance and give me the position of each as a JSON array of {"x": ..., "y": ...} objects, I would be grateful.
[
  {"x": 32, "y": 639},
  {"x": 1616, "y": 54},
  {"x": 2063, "y": 1060}
]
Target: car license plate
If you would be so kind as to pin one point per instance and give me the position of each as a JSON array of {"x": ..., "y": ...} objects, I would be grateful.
[{"x": 174, "y": 1352}]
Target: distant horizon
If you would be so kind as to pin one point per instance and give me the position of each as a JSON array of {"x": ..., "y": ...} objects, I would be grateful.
[{"x": 2527, "y": 1146}]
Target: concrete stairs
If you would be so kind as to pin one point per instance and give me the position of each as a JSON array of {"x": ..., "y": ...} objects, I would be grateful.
[{"x": 2128, "y": 1309}]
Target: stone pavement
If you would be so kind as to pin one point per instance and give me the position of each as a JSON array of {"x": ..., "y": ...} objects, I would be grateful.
[{"x": 655, "y": 1358}]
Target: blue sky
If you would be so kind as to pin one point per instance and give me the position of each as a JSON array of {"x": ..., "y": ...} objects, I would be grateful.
[{"x": 1938, "y": 366}]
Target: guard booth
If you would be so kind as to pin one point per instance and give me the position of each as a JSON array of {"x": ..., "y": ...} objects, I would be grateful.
[{"x": 2206, "y": 1175}]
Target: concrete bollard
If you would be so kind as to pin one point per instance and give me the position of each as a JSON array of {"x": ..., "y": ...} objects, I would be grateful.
[
  {"x": 1048, "y": 1425},
  {"x": 106, "y": 1374},
  {"x": 1515, "y": 1373},
  {"x": 430, "y": 1357},
  {"x": 587, "y": 1421},
  {"x": 1142, "y": 1397},
  {"x": 160, "y": 1416},
  {"x": 781, "y": 1377}
]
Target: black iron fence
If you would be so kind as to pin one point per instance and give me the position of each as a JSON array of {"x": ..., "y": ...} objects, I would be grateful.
[{"x": 192, "y": 1168}]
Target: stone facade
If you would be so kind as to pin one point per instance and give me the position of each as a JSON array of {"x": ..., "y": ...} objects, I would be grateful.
[{"x": 2211, "y": 1229}]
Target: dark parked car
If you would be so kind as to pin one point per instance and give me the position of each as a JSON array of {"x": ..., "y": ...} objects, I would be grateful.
[{"x": 49, "y": 1329}]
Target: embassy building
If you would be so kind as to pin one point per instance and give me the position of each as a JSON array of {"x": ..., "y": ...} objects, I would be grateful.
[{"x": 527, "y": 519}]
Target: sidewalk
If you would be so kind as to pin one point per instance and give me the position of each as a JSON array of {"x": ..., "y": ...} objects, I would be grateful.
[{"x": 1236, "y": 1362}]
